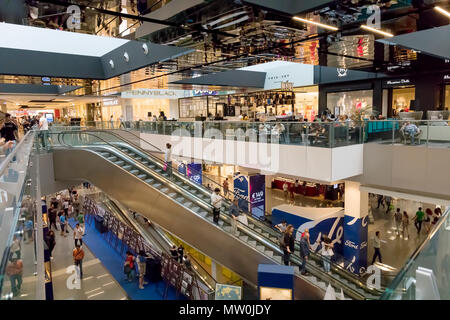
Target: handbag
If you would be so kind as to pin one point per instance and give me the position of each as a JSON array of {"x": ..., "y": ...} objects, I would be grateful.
[
  {"x": 165, "y": 166},
  {"x": 126, "y": 269}
]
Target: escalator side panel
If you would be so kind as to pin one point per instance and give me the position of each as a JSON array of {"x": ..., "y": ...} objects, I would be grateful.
[{"x": 137, "y": 195}]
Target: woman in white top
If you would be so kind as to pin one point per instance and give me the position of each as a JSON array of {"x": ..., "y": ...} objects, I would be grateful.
[{"x": 168, "y": 159}]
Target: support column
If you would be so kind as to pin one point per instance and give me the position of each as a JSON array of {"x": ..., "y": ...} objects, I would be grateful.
[
  {"x": 173, "y": 109},
  {"x": 355, "y": 227}
]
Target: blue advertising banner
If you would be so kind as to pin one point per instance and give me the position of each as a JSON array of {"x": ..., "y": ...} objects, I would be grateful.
[
  {"x": 240, "y": 185},
  {"x": 182, "y": 168},
  {"x": 355, "y": 244},
  {"x": 194, "y": 172},
  {"x": 258, "y": 195},
  {"x": 330, "y": 224}
]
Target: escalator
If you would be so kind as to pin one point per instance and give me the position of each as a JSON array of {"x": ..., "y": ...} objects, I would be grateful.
[{"x": 137, "y": 179}]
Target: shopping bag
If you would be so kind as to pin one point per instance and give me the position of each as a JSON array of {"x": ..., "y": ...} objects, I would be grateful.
[{"x": 165, "y": 167}]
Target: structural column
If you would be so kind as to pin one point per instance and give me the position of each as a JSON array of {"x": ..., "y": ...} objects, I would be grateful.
[{"x": 355, "y": 227}]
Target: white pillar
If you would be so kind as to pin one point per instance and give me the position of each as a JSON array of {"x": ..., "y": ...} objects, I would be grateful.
[
  {"x": 355, "y": 227},
  {"x": 173, "y": 109}
]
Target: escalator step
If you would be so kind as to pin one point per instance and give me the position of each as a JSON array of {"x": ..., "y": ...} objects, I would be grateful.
[
  {"x": 142, "y": 176},
  {"x": 179, "y": 183},
  {"x": 252, "y": 243},
  {"x": 127, "y": 167},
  {"x": 258, "y": 230},
  {"x": 187, "y": 204},
  {"x": 157, "y": 185},
  {"x": 265, "y": 234},
  {"x": 173, "y": 194},
  {"x": 260, "y": 248},
  {"x": 244, "y": 238},
  {"x": 120, "y": 162},
  {"x": 151, "y": 166},
  {"x": 138, "y": 158},
  {"x": 277, "y": 258},
  {"x": 149, "y": 180},
  {"x": 322, "y": 285},
  {"x": 164, "y": 190},
  {"x": 180, "y": 199},
  {"x": 145, "y": 162},
  {"x": 203, "y": 213},
  {"x": 274, "y": 239},
  {"x": 112, "y": 158},
  {"x": 134, "y": 171},
  {"x": 104, "y": 154},
  {"x": 195, "y": 209},
  {"x": 269, "y": 253},
  {"x": 251, "y": 226},
  {"x": 221, "y": 223}
]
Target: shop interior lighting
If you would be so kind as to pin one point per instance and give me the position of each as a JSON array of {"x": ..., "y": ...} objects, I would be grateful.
[
  {"x": 445, "y": 12},
  {"x": 387, "y": 34},
  {"x": 325, "y": 26}
]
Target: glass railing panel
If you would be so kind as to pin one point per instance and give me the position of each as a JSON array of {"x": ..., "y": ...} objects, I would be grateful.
[
  {"x": 434, "y": 255},
  {"x": 17, "y": 224}
]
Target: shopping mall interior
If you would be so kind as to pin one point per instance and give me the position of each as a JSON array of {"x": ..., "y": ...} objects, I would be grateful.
[{"x": 224, "y": 150}]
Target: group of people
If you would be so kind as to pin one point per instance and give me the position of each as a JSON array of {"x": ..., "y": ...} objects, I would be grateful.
[{"x": 62, "y": 207}]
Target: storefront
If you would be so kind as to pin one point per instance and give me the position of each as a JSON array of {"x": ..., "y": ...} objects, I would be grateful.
[
  {"x": 192, "y": 108},
  {"x": 111, "y": 107},
  {"x": 398, "y": 95},
  {"x": 347, "y": 102},
  {"x": 446, "y": 92},
  {"x": 306, "y": 102},
  {"x": 218, "y": 173}
]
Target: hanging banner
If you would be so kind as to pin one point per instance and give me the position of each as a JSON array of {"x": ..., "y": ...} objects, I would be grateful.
[
  {"x": 258, "y": 195},
  {"x": 194, "y": 172},
  {"x": 240, "y": 185}
]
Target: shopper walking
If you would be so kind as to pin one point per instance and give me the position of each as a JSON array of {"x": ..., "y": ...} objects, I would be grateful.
[
  {"x": 234, "y": 213},
  {"x": 216, "y": 202},
  {"x": 80, "y": 219},
  {"x": 225, "y": 186},
  {"x": 418, "y": 219},
  {"x": 388, "y": 201},
  {"x": 111, "y": 122},
  {"x": 405, "y": 224},
  {"x": 51, "y": 242},
  {"x": 288, "y": 244},
  {"x": 304, "y": 251},
  {"x": 142, "y": 267},
  {"x": 128, "y": 266},
  {"x": 43, "y": 130},
  {"x": 398, "y": 217},
  {"x": 14, "y": 271},
  {"x": 428, "y": 219},
  {"x": 285, "y": 190},
  {"x": 78, "y": 256},
  {"x": 15, "y": 247},
  {"x": 78, "y": 235},
  {"x": 327, "y": 253},
  {"x": 52, "y": 216},
  {"x": 174, "y": 252},
  {"x": 9, "y": 132},
  {"x": 180, "y": 252},
  {"x": 168, "y": 160},
  {"x": 380, "y": 201},
  {"x": 377, "y": 247},
  {"x": 63, "y": 224}
]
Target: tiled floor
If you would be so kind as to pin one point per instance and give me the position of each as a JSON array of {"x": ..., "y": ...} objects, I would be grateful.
[{"x": 97, "y": 282}]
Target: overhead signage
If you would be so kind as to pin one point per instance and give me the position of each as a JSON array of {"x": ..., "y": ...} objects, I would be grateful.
[
  {"x": 397, "y": 82},
  {"x": 110, "y": 102},
  {"x": 341, "y": 72},
  {"x": 168, "y": 93}
]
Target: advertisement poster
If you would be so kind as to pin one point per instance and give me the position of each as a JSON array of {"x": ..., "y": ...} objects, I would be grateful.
[
  {"x": 355, "y": 244},
  {"x": 182, "y": 168},
  {"x": 194, "y": 172},
  {"x": 240, "y": 183},
  {"x": 228, "y": 292},
  {"x": 258, "y": 195}
]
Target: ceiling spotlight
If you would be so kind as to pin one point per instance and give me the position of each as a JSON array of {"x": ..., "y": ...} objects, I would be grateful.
[
  {"x": 111, "y": 63},
  {"x": 126, "y": 57},
  {"x": 387, "y": 34},
  {"x": 325, "y": 26},
  {"x": 442, "y": 11},
  {"x": 145, "y": 48}
]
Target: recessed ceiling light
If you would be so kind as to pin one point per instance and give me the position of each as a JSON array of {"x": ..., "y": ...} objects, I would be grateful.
[
  {"x": 387, "y": 34},
  {"x": 325, "y": 26}
]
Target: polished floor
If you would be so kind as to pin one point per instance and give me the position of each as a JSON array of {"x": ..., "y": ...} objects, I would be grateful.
[{"x": 97, "y": 282}]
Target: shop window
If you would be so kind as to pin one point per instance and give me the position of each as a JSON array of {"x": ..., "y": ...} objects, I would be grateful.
[
  {"x": 401, "y": 99},
  {"x": 345, "y": 103},
  {"x": 447, "y": 97}
]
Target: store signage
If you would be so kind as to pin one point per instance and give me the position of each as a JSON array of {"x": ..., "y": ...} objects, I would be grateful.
[
  {"x": 74, "y": 19},
  {"x": 196, "y": 93},
  {"x": 398, "y": 82},
  {"x": 286, "y": 85},
  {"x": 342, "y": 72},
  {"x": 447, "y": 77},
  {"x": 110, "y": 102},
  {"x": 155, "y": 94}
]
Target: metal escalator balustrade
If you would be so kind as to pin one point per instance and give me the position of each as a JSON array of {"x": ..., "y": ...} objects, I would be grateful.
[{"x": 199, "y": 206}]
